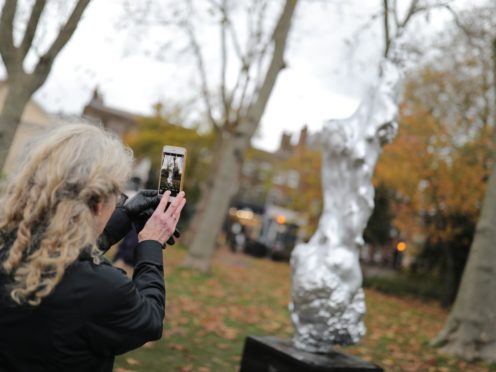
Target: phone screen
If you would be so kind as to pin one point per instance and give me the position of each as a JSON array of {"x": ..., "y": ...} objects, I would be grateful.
[{"x": 171, "y": 173}]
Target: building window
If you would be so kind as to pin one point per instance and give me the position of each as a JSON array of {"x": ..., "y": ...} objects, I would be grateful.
[
  {"x": 248, "y": 168},
  {"x": 279, "y": 178},
  {"x": 293, "y": 179}
]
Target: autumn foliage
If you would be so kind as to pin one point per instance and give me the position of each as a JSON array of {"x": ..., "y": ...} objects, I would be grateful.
[{"x": 437, "y": 167}]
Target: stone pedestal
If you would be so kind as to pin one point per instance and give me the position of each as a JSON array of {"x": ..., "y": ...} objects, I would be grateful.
[{"x": 270, "y": 354}]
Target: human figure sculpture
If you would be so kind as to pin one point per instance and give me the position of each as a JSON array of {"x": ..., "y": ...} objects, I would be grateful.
[{"x": 327, "y": 299}]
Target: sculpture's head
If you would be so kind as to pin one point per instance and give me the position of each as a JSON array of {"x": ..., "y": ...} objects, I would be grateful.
[
  {"x": 385, "y": 93},
  {"x": 376, "y": 116},
  {"x": 374, "y": 121}
]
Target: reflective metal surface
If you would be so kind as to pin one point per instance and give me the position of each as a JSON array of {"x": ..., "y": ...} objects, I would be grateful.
[{"x": 327, "y": 299}]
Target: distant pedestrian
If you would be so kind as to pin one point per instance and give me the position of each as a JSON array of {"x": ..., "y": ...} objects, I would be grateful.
[
  {"x": 233, "y": 236},
  {"x": 241, "y": 239}
]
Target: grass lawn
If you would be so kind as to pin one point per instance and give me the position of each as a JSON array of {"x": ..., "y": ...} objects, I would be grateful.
[{"x": 209, "y": 315}]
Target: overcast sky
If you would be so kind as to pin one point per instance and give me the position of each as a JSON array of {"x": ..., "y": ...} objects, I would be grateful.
[{"x": 324, "y": 79}]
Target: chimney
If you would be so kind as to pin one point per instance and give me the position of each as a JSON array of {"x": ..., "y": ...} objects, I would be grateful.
[
  {"x": 302, "y": 142},
  {"x": 97, "y": 96},
  {"x": 285, "y": 145}
]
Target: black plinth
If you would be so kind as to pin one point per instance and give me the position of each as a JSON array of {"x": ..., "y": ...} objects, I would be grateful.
[{"x": 270, "y": 354}]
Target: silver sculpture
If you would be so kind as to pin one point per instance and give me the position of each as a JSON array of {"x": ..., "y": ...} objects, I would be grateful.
[{"x": 327, "y": 298}]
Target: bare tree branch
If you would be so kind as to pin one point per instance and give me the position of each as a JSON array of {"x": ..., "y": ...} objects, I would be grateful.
[
  {"x": 7, "y": 48},
  {"x": 257, "y": 48},
  {"x": 235, "y": 41},
  {"x": 387, "y": 36},
  {"x": 195, "y": 46},
  {"x": 257, "y": 107},
  {"x": 244, "y": 71},
  {"x": 259, "y": 30},
  {"x": 390, "y": 8},
  {"x": 21, "y": 84},
  {"x": 411, "y": 11},
  {"x": 215, "y": 4},
  {"x": 394, "y": 8},
  {"x": 223, "y": 57},
  {"x": 261, "y": 47},
  {"x": 63, "y": 37},
  {"x": 493, "y": 50},
  {"x": 260, "y": 60},
  {"x": 245, "y": 64},
  {"x": 468, "y": 33},
  {"x": 32, "y": 25},
  {"x": 244, "y": 77},
  {"x": 240, "y": 107}
]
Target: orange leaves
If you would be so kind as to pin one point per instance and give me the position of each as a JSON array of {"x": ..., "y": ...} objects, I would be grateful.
[
  {"x": 433, "y": 169},
  {"x": 178, "y": 347},
  {"x": 187, "y": 304},
  {"x": 188, "y": 368},
  {"x": 247, "y": 315},
  {"x": 214, "y": 322},
  {"x": 228, "y": 333}
]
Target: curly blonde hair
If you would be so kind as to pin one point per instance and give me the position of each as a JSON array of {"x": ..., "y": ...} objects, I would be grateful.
[{"x": 48, "y": 209}]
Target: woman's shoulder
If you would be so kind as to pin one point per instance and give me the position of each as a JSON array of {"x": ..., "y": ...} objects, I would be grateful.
[
  {"x": 99, "y": 287},
  {"x": 99, "y": 275},
  {"x": 95, "y": 280}
]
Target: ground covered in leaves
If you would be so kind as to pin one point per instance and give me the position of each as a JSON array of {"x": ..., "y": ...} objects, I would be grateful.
[{"x": 209, "y": 315}]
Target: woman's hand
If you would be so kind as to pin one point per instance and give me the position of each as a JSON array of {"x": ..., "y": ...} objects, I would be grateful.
[{"x": 162, "y": 223}]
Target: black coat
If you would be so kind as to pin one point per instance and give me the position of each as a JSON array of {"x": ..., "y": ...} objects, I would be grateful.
[{"x": 93, "y": 314}]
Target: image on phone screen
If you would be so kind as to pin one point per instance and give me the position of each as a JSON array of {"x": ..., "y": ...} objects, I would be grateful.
[{"x": 171, "y": 173}]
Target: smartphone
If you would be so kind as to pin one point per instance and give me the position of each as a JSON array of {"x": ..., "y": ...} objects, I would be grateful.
[{"x": 172, "y": 169}]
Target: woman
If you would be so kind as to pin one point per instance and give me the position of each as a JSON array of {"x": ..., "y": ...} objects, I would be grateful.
[{"x": 63, "y": 307}]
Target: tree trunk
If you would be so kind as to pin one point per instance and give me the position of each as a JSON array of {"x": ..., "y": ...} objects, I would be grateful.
[
  {"x": 470, "y": 331},
  {"x": 225, "y": 182},
  {"x": 15, "y": 101},
  {"x": 227, "y": 164},
  {"x": 206, "y": 187},
  {"x": 22, "y": 85}
]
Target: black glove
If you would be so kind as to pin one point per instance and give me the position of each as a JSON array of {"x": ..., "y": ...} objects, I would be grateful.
[
  {"x": 136, "y": 211},
  {"x": 141, "y": 206}
]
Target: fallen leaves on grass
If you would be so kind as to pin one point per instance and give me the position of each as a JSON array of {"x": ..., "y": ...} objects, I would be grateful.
[
  {"x": 208, "y": 317},
  {"x": 149, "y": 344},
  {"x": 132, "y": 362},
  {"x": 178, "y": 347},
  {"x": 188, "y": 368},
  {"x": 214, "y": 322}
]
